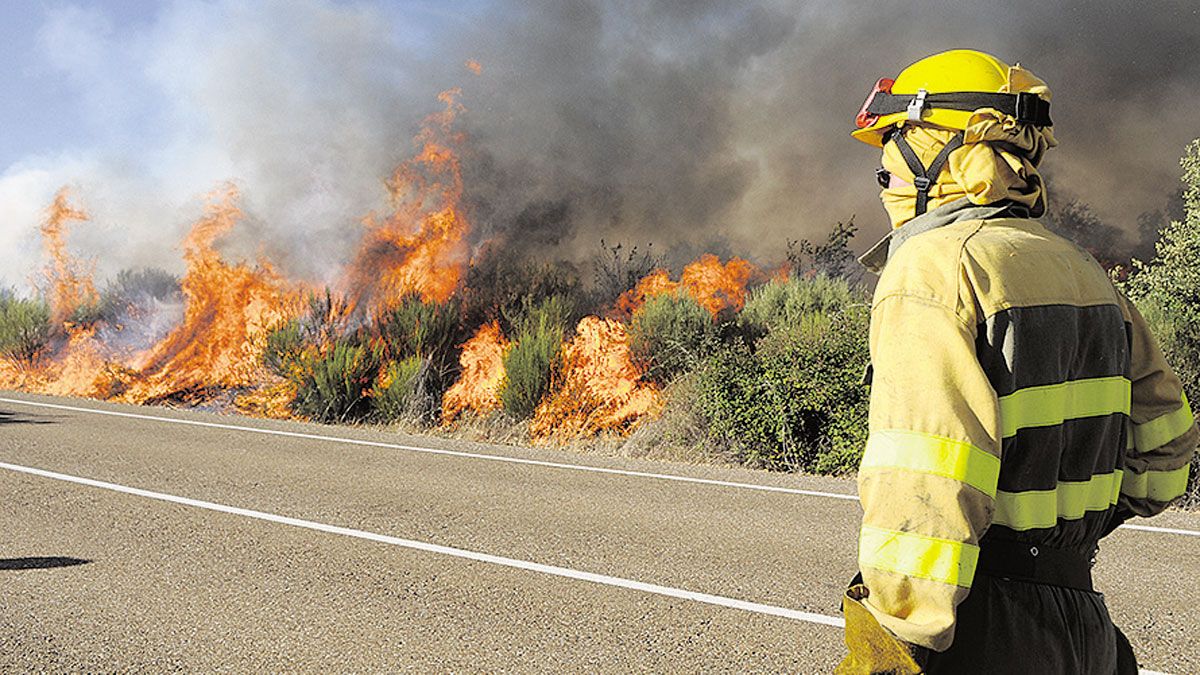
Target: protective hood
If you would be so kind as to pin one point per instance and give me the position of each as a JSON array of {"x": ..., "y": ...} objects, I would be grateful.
[{"x": 997, "y": 162}]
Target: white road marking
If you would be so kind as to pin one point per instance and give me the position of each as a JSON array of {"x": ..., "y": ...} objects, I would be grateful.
[
  {"x": 504, "y": 458},
  {"x": 1164, "y": 530},
  {"x": 554, "y": 570}
]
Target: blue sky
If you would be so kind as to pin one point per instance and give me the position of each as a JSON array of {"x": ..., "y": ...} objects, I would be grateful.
[
  {"x": 140, "y": 108},
  {"x": 45, "y": 106}
]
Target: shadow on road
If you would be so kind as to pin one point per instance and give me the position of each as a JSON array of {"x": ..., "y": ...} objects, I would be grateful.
[
  {"x": 17, "y": 418},
  {"x": 39, "y": 563}
]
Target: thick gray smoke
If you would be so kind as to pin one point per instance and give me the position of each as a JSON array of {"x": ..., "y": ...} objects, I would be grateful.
[{"x": 693, "y": 125}]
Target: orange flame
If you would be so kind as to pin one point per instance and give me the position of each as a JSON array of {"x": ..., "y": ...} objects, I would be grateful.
[
  {"x": 421, "y": 247},
  {"x": 70, "y": 286},
  {"x": 82, "y": 369},
  {"x": 599, "y": 387},
  {"x": 715, "y": 286},
  {"x": 474, "y": 66},
  {"x": 229, "y": 309},
  {"x": 478, "y": 387}
]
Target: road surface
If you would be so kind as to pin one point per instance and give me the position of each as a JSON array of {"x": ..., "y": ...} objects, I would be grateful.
[{"x": 149, "y": 539}]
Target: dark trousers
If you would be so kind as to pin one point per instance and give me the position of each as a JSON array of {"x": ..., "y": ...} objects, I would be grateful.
[{"x": 1025, "y": 628}]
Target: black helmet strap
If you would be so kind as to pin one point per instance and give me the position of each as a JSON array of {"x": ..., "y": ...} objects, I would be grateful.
[{"x": 925, "y": 176}]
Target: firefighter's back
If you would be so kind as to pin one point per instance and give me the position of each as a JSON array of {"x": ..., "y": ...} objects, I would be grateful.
[{"x": 1052, "y": 339}]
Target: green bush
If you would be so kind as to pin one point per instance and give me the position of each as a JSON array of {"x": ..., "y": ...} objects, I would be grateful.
[
  {"x": 400, "y": 397},
  {"x": 795, "y": 399},
  {"x": 533, "y": 357},
  {"x": 669, "y": 334},
  {"x": 135, "y": 288},
  {"x": 24, "y": 327},
  {"x": 334, "y": 384},
  {"x": 784, "y": 304},
  {"x": 418, "y": 328},
  {"x": 1167, "y": 291}
]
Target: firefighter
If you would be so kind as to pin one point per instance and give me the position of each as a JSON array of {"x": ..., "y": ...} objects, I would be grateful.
[{"x": 1020, "y": 409}]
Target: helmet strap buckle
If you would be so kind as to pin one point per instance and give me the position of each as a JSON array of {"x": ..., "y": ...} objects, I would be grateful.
[{"x": 917, "y": 106}]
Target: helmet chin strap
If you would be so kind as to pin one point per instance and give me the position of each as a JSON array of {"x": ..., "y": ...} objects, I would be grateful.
[{"x": 925, "y": 176}]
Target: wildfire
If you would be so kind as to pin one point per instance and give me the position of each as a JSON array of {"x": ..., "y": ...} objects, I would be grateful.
[
  {"x": 229, "y": 309},
  {"x": 421, "y": 246},
  {"x": 599, "y": 387},
  {"x": 70, "y": 287},
  {"x": 715, "y": 286},
  {"x": 478, "y": 388}
]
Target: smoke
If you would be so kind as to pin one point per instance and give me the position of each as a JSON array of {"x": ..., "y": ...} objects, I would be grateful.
[{"x": 698, "y": 125}]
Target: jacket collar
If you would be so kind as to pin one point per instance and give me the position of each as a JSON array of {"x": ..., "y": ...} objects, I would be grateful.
[{"x": 956, "y": 211}]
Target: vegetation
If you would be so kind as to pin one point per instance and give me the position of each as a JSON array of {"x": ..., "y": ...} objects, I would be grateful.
[
  {"x": 669, "y": 334},
  {"x": 24, "y": 327},
  {"x": 531, "y": 361},
  {"x": 1167, "y": 291},
  {"x": 398, "y": 395},
  {"x": 334, "y": 384},
  {"x": 617, "y": 269},
  {"x": 790, "y": 394}
]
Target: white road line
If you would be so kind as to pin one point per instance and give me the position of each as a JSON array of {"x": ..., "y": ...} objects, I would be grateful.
[
  {"x": 504, "y": 458},
  {"x": 554, "y": 570},
  {"x": 435, "y": 451},
  {"x": 1164, "y": 530}
]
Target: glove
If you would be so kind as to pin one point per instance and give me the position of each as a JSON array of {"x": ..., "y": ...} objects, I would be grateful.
[{"x": 873, "y": 650}]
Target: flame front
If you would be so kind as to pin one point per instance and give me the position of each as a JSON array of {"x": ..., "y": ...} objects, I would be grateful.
[
  {"x": 715, "y": 286},
  {"x": 598, "y": 389},
  {"x": 478, "y": 387},
  {"x": 421, "y": 246},
  {"x": 229, "y": 309}
]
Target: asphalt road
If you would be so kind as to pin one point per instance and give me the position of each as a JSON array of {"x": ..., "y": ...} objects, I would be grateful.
[{"x": 211, "y": 545}]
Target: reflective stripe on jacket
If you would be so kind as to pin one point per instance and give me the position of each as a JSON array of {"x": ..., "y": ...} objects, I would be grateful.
[{"x": 1015, "y": 395}]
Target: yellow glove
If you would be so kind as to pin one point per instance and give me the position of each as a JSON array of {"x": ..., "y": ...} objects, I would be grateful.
[{"x": 873, "y": 650}]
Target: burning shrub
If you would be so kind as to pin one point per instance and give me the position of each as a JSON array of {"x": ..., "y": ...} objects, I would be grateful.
[
  {"x": 334, "y": 385},
  {"x": 24, "y": 327},
  {"x": 793, "y": 398},
  {"x": 397, "y": 395},
  {"x": 670, "y": 334},
  {"x": 1166, "y": 292},
  {"x": 325, "y": 321},
  {"x": 598, "y": 388},
  {"x": 285, "y": 346},
  {"x": 531, "y": 360},
  {"x": 414, "y": 327}
]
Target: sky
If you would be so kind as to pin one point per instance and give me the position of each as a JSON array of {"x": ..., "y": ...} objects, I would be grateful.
[{"x": 695, "y": 126}]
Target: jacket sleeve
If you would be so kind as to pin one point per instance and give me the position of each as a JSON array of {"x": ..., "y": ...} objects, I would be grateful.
[
  {"x": 930, "y": 468},
  {"x": 1163, "y": 437}
]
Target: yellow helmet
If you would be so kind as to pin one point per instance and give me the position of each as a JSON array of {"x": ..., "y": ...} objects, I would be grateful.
[{"x": 945, "y": 90}]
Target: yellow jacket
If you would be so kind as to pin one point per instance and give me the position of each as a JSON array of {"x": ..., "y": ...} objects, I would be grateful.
[{"x": 1015, "y": 394}]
